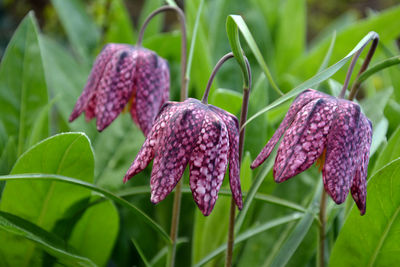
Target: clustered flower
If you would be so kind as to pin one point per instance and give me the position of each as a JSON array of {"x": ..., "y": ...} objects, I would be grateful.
[
  {"x": 319, "y": 126},
  {"x": 191, "y": 132},
  {"x": 124, "y": 76}
]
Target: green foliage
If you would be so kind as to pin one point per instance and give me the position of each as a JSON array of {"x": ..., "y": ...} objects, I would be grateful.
[
  {"x": 59, "y": 195},
  {"x": 371, "y": 240}
]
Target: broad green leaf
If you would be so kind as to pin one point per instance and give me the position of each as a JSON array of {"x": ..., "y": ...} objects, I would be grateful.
[
  {"x": 64, "y": 179},
  {"x": 45, "y": 202},
  {"x": 291, "y": 33},
  {"x": 118, "y": 24},
  {"x": 379, "y": 135},
  {"x": 372, "y": 239},
  {"x": 51, "y": 243},
  {"x": 81, "y": 30},
  {"x": 390, "y": 152},
  {"x": 321, "y": 76},
  {"x": 95, "y": 233},
  {"x": 23, "y": 92},
  {"x": 227, "y": 99},
  {"x": 249, "y": 234}
]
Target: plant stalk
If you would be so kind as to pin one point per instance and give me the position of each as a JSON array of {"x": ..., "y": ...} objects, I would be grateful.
[
  {"x": 356, "y": 84},
  {"x": 322, "y": 219},
  {"x": 184, "y": 80},
  {"x": 243, "y": 118}
]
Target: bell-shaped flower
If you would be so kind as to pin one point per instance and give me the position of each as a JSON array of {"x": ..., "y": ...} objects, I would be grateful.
[
  {"x": 123, "y": 74},
  {"x": 333, "y": 131},
  {"x": 191, "y": 132}
]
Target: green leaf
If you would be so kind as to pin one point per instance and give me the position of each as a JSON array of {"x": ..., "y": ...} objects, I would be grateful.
[
  {"x": 81, "y": 30},
  {"x": 249, "y": 234},
  {"x": 45, "y": 202},
  {"x": 389, "y": 62},
  {"x": 327, "y": 57},
  {"x": 235, "y": 23},
  {"x": 95, "y": 233},
  {"x": 106, "y": 193},
  {"x": 252, "y": 193},
  {"x": 390, "y": 152},
  {"x": 385, "y": 23},
  {"x": 51, "y": 243},
  {"x": 291, "y": 33},
  {"x": 372, "y": 239},
  {"x": 246, "y": 174},
  {"x": 318, "y": 78},
  {"x": 211, "y": 231},
  {"x": 60, "y": 66},
  {"x": 140, "y": 252},
  {"x": 118, "y": 24},
  {"x": 299, "y": 232},
  {"x": 23, "y": 92},
  {"x": 156, "y": 24},
  {"x": 227, "y": 99}
]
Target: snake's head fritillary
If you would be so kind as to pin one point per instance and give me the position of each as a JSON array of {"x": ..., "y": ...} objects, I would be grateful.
[
  {"x": 201, "y": 135},
  {"x": 123, "y": 74},
  {"x": 319, "y": 126}
]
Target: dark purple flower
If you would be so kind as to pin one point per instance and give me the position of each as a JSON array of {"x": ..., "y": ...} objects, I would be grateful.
[
  {"x": 191, "y": 132},
  {"x": 335, "y": 131},
  {"x": 123, "y": 74}
]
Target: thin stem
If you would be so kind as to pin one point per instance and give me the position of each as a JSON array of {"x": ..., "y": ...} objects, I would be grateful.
[
  {"x": 184, "y": 93},
  {"x": 213, "y": 73},
  {"x": 356, "y": 85},
  {"x": 182, "y": 21},
  {"x": 322, "y": 219},
  {"x": 367, "y": 60},
  {"x": 243, "y": 118}
]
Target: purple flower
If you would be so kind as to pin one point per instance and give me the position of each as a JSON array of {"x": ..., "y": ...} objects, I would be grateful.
[
  {"x": 123, "y": 74},
  {"x": 191, "y": 132},
  {"x": 335, "y": 131}
]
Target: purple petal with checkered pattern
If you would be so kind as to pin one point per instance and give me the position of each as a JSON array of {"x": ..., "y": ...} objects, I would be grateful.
[
  {"x": 198, "y": 134},
  {"x": 87, "y": 101},
  {"x": 208, "y": 162},
  {"x": 146, "y": 153},
  {"x": 232, "y": 124},
  {"x": 115, "y": 86},
  {"x": 301, "y": 100},
  {"x": 151, "y": 88},
  {"x": 359, "y": 185},
  {"x": 305, "y": 139},
  {"x": 175, "y": 145},
  {"x": 341, "y": 151},
  {"x": 123, "y": 74}
]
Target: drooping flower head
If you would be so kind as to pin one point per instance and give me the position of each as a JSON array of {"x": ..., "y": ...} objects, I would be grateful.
[
  {"x": 124, "y": 75},
  {"x": 335, "y": 131},
  {"x": 202, "y": 135}
]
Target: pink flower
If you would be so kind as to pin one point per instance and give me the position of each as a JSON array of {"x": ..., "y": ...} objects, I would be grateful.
[
  {"x": 319, "y": 126},
  {"x": 123, "y": 74},
  {"x": 191, "y": 132}
]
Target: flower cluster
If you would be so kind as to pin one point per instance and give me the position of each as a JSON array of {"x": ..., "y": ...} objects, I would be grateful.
[
  {"x": 319, "y": 126},
  {"x": 191, "y": 132},
  {"x": 123, "y": 74}
]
